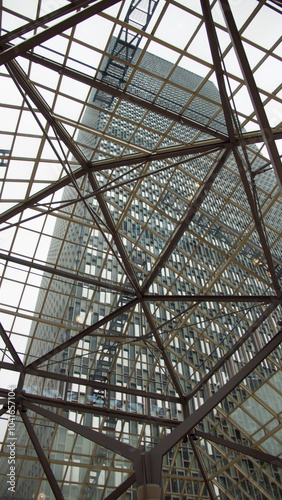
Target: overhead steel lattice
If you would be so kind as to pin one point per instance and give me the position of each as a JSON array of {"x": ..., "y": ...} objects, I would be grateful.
[{"x": 141, "y": 261}]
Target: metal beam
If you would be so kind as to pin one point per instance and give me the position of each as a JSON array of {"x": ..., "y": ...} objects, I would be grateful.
[
  {"x": 266, "y": 130},
  {"x": 174, "y": 378},
  {"x": 91, "y": 383},
  {"x": 203, "y": 470},
  {"x": 186, "y": 219},
  {"x": 123, "y": 449},
  {"x": 168, "y": 153},
  {"x": 119, "y": 490},
  {"x": 190, "y": 422},
  {"x": 128, "y": 268},
  {"x": 122, "y": 94},
  {"x": 232, "y": 350},
  {"x": 9, "y": 54},
  {"x": 245, "y": 137},
  {"x": 264, "y": 299},
  {"x": 10, "y": 366},
  {"x": 215, "y": 51},
  {"x": 83, "y": 333},
  {"x": 257, "y": 221},
  {"x": 245, "y": 450},
  {"x": 22, "y": 79},
  {"x": 36, "y": 98},
  {"x": 10, "y": 346},
  {"x": 42, "y": 457},
  {"x": 103, "y": 411},
  {"x": 3, "y": 393},
  {"x": 41, "y": 21},
  {"x": 105, "y": 165},
  {"x": 3, "y": 411},
  {"x": 67, "y": 274}
]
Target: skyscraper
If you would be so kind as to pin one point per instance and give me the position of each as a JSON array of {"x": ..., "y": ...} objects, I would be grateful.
[{"x": 143, "y": 246}]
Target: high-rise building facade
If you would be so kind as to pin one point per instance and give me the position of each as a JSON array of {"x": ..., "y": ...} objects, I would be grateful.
[{"x": 178, "y": 226}]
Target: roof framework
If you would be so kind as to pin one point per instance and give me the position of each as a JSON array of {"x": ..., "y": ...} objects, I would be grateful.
[{"x": 208, "y": 332}]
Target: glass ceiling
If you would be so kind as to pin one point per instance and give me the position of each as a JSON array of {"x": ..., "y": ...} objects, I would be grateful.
[{"x": 141, "y": 262}]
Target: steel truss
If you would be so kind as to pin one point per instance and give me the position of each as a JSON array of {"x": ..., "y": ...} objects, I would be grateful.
[{"x": 147, "y": 465}]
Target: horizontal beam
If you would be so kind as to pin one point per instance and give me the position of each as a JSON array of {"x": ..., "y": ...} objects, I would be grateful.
[
  {"x": 265, "y": 299},
  {"x": 103, "y": 411},
  {"x": 66, "y": 274},
  {"x": 3, "y": 411},
  {"x": 166, "y": 154},
  {"x": 106, "y": 165},
  {"x": 101, "y": 386},
  {"x": 121, "y": 94}
]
